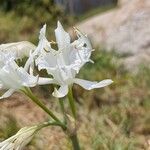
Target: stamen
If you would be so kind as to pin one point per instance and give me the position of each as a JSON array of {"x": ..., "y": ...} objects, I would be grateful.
[
  {"x": 53, "y": 42},
  {"x": 90, "y": 60},
  {"x": 46, "y": 50}
]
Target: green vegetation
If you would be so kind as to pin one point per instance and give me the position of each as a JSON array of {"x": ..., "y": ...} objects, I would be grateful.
[
  {"x": 21, "y": 20},
  {"x": 123, "y": 109},
  {"x": 113, "y": 118},
  {"x": 8, "y": 126},
  {"x": 95, "y": 11}
]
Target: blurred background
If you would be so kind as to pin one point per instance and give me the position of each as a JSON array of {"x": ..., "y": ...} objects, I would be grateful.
[{"x": 113, "y": 118}]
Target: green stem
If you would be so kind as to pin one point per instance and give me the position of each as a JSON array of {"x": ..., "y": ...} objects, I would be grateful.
[
  {"x": 46, "y": 124},
  {"x": 71, "y": 102},
  {"x": 73, "y": 137},
  {"x": 29, "y": 93},
  {"x": 61, "y": 102},
  {"x": 75, "y": 142}
]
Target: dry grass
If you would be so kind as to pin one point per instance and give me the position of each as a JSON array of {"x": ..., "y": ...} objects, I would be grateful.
[{"x": 114, "y": 118}]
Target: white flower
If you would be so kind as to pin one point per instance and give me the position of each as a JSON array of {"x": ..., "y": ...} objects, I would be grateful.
[
  {"x": 65, "y": 63},
  {"x": 20, "y": 139},
  {"x": 21, "y": 49},
  {"x": 6, "y": 57},
  {"x": 43, "y": 46},
  {"x": 13, "y": 78}
]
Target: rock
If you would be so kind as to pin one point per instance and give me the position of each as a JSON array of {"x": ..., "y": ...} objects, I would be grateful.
[{"x": 125, "y": 29}]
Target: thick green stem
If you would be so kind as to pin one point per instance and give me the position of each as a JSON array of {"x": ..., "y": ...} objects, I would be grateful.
[
  {"x": 75, "y": 142},
  {"x": 73, "y": 137},
  {"x": 71, "y": 102},
  {"x": 29, "y": 93},
  {"x": 61, "y": 102},
  {"x": 46, "y": 124}
]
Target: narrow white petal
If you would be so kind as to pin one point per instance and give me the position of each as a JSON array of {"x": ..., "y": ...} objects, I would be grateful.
[
  {"x": 42, "y": 32},
  {"x": 8, "y": 77},
  {"x": 8, "y": 93},
  {"x": 26, "y": 79},
  {"x": 43, "y": 46},
  {"x": 82, "y": 49},
  {"x": 21, "y": 49},
  {"x": 88, "y": 85},
  {"x": 7, "y": 146},
  {"x": 31, "y": 69},
  {"x": 6, "y": 57},
  {"x": 47, "y": 60},
  {"x": 61, "y": 92},
  {"x": 29, "y": 62},
  {"x": 62, "y": 37},
  {"x": 43, "y": 81},
  {"x": 1, "y": 85}
]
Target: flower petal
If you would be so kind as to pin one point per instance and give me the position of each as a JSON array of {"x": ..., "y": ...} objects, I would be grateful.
[
  {"x": 62, "y": 37},
  {"x": 26, "y": 79},
  {"x": 8, "y": 93},
  {"x": 47, "y": 60},
  {"x": 29, "y": 62},
  {"x": 21, "y": 49},
  {"x": 42, "y": 32},
  {"x": 20, "y": 139},
  {"x": 6, "y": 146},
  {"x": 6, "y": 57},
  {"x": 82, "y": 49},
  {"x": 43, "y": 81},
  {"x": 43, "y": 45},
  {"x": 88, "y": 85},
  {"x": 8, "y": 77},
  {"x": 61, "y": 92}
]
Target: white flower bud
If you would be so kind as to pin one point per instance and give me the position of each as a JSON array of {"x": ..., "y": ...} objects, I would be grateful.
[{"x": 20, "y": 139}]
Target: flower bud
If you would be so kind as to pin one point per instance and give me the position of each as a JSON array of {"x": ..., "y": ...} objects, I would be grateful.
[{"x": 20, "y": 139}]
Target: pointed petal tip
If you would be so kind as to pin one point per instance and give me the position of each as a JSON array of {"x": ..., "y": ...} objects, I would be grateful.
[
  {"x": 61, "y": 92},
  {"x": 109, "y": 81},
  {"x": 7, "y": 94},
  {"x": 43, "y": 29},
  {"x": 59, "y": 25},
  {"x": 56, "y": 93},
  {"x": 106, "y": 82},
  {"x": 89, "y": 85},
  {"x": 44, "y": 26}
]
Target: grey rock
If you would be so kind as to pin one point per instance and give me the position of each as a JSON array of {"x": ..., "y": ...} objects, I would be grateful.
[{"x": 125, "y": 29}]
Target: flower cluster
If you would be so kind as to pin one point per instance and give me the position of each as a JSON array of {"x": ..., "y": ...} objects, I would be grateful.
[{"x": 63, "y": 64}]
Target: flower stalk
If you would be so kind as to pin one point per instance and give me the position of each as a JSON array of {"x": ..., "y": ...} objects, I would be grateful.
[
  {"x": 29, "y": 93},
  {"x": 62, "y": 107},
  {"x": 75, "y": 142},
  {"x": 49, "y": 123},
  {"x": 73, "y": 136},
  {"x": 71, "y": 102}
]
